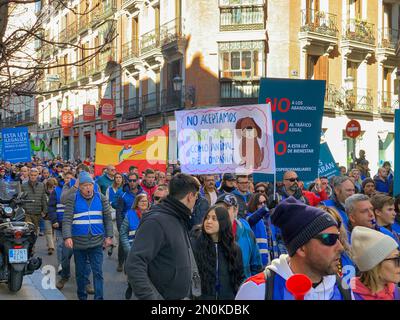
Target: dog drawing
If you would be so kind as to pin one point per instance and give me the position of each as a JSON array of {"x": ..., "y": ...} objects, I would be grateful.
[{"x": 250, "y": 132}]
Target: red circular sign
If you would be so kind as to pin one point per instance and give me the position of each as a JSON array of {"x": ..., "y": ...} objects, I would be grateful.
[
  {"x": 107, "y": 109},
  {"x": 353, "y": 129}
]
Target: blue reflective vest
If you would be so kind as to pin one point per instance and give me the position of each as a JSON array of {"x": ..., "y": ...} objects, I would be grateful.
[
  {"x": 134, "y": 221},
  {"x": 59, "y": 207},
  {"x": 87, "y": 220},
  {"x": 281, "y": 293}
]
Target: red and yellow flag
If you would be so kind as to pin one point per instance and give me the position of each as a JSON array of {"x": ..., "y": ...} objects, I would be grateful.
[{"x": 147, "y": 151}]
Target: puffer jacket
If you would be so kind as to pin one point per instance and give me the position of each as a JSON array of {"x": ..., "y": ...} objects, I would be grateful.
[{"x": 35, "y": 192}]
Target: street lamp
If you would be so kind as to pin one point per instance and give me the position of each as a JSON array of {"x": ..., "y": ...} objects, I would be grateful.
[{"x": 177, "y": 82}]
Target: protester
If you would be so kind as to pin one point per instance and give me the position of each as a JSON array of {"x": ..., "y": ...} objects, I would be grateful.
[
  {"x": 160, "y": 194},
  {"x": 161, "y": 263},
  {"x": 107, "y": 179},
  {"x": 209, "y": 190},
  {"x": 87, "y": 226},
  {"x": 35, "y": 190},
  {"x": 218, "y": 257},
  {"x": 343, "y": 188},
  {"x": 364, "y": 169},
  {"x": 312, "y": 238},
  {"x": 377, "y": 257},
  {"x": 390, "y": 173},
  {"x": 162, "y": 178},
  {"x": 228, "y": 183},
  {"x": 355, "y": 173},
  {"x": 242, "y": 193},
  {"x": 124, "y": 203},
  {"x": 244, "y": 236},
  {"x": 149, "y": 183},
  {"x": 368, "y": 187},
  {"x": 385, "y": 213},
  {"x": 382, "y": 183},
  {"x": 50, "y": 185}
]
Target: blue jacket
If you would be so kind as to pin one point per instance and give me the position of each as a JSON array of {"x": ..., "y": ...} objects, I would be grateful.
[
  {"x": 87, "y": 220},
  {"x": 246, "y": 240},
  {"x": 113, "y": 195},
  {"x": 55, "y": 208},
  {"x": 128, "y": 230},
  {"x": 125, "y": 202},
  {"x": 243, "y": 200},
  {"x": 104, "y": 182},
  {"x": 382, "y": 186},
  {"x": 257, "y": 224}
]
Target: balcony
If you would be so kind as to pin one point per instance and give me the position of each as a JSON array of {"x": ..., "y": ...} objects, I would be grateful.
[
  {"x": 93, "y": 66},
  {"x": 387, "y": 43},
  {"x": 150, "y": 104},
  {"x": 333, "y": 98},
  {"x": 358, "y": 40},
  {"x": 172, "y": 100},
  {"x": 102, "y": 12},
  {"x": 62, "y": 37},
  {"x": 358, "y": 99},
  {"x": 82, "y": 72},
  {"x": 239, "y": 92},
  {"x": 18, "y": 119},
  {"x": 149, "y": 41},
  {"x": 388, "y": 102},
  {"x": 240, "y": 3},
  {"x": 131, "y": 109},
  {"x": 130, "y": 55},
  {"x": 131, "y": 6},
  {"x": 47, "y": 50},
  {"x": 318, "y": 32},
  {"x": 72, "y": 31},
  {"x": 83, "y": 23},
  {"x": 106, "y": 56},
  {"x": 242, "y": 18}
]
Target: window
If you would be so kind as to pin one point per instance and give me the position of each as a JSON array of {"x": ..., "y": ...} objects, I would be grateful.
[
  {"x": 241, "y": 60},
  {"x": 242, "y": 18}
]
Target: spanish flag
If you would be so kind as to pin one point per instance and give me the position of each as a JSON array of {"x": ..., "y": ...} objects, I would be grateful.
[{"x": 147, "y": 151}]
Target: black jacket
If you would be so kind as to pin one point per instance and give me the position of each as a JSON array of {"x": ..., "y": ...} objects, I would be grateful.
[
  {"x": 200, "y": 209},
  {"x": 158, "y": 265},
  {"x": 227, "y": 291}
]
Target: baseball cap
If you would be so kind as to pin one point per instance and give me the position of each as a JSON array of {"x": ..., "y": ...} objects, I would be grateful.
[
  {"x": 228, "y": 177},
  {"x": 229, "y": 199}
]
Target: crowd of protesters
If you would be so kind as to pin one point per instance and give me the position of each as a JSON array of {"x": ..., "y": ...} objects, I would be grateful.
[{"x": 217, "y": 236}]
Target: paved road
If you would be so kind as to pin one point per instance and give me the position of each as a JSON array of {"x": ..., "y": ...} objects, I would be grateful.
[{"x": 114, "y": 282}]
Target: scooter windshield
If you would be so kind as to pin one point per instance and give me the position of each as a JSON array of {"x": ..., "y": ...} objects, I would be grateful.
[{"x": 8, "y": 189}]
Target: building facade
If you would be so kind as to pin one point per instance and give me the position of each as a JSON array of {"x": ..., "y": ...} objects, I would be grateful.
[{"x": 173, "y": 54}]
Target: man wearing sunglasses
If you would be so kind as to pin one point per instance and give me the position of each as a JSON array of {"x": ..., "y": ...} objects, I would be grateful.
[
  {"x": 160, "y": 194},
  {"x": 311, "y": 236},
  {"x": 124, "y": 203}
]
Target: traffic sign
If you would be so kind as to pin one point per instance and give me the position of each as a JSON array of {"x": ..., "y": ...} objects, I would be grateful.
[{"x": 353, "y": 129}]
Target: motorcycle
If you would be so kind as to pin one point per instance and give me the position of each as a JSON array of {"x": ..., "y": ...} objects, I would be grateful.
[{"x": 17, "y": 237}]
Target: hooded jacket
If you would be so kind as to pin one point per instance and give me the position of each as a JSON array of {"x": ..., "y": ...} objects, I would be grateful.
[
  {"x": 254, "y": 288},
  {"x": 361, "y": 292},
  {"x": 125, "y": 202},
  {"x": 158, "y": 265}
]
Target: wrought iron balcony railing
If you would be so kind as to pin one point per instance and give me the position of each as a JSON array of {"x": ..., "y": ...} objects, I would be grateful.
[
  {"x": 236, "y": 3},
  {"x": 171, "y": 31},
  {"x": 360, "y": 31},
  {"x": 83, "y": 23},
  {"x": 150, "y": 103},
  {"x": 319, "y": 22},
  {"x": 359, "y": 99},
  {"x": 131, "y": 109},
  {"x": 242, "y": 18},
  {"x": 387, "y": 102},
  {"x": 388, "y": 38},
  {"x": 149, "y": 41},
  {"x": 130, "y": 50},
  {"x": 72, "y": 31}
]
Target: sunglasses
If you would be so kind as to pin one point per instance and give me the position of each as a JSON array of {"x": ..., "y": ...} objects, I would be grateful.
[
  {"x": 157, "y": 198},
  {"x": 396, "y": 261},
  {"x": 260, "y": 190},
  {"x": 292, "y": 179},
  {"x": 262, "y": 203},
  {"x": 132, "y": 180},
  {"x": 328, "y": 239}
]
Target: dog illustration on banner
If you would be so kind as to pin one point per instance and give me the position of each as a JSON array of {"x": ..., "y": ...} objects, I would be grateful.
[
  {"x": 127, "y": 153},
  {"x": 249, "y": 132}
]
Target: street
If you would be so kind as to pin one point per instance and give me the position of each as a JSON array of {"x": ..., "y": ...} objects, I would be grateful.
[{"x": 114, "y": 282}]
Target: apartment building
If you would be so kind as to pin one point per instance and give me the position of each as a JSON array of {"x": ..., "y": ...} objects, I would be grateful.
[{"x": 173, "y": 54}]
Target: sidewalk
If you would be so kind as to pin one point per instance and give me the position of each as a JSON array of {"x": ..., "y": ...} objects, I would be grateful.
[{"x": 31, "y": 290}]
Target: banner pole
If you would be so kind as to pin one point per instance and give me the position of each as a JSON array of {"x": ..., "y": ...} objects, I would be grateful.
[{"x": 275, "y": 184}]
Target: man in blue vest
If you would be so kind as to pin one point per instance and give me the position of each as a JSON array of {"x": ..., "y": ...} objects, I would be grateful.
[
  {"x": 343, "y": 188},
  {"x": 124, "y": 203},
  {"x": 311, "y": 236},
  {"x": 87, "y": 227}
]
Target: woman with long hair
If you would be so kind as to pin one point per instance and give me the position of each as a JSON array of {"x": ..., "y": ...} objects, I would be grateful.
[{"x": 218, "y": 257}]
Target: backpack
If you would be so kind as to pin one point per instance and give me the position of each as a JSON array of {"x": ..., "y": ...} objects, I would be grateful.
[{"x": 270, "y": 279}]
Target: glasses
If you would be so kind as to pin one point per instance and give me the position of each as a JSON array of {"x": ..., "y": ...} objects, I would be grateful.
[
  {"x": 395, "y": 259},
  {"x": 157, "y": 198},
  {"x": 261, "y": 203},
  {"x": 260, "y": 190},
  {"x": 244, "y": 182},
  {"x": 292, "y": 179},
  {"x": 328, "y": 239},
  {"x": 132, "y": 180}
]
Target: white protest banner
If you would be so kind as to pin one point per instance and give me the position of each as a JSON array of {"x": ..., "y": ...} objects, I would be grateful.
[{"x": 226, "y": 140}]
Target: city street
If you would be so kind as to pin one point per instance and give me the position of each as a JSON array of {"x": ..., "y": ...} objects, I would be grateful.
[{"x": 114, "y": 282}]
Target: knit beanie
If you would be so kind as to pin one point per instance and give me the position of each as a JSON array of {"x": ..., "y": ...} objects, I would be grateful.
[
  {"x": 84, "y": 177},
  {"x": 370, "y": 247},
  {"x": 367, "y": 180},
  {"x": 299, "y": 222}
]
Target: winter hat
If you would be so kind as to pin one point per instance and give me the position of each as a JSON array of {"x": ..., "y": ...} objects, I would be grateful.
[
  {"x": 299, "y": 222},
  {"x": 84, "y": 177},
  {"x": 367, "y": 180},
  {"x": 370, "y": 247}
]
